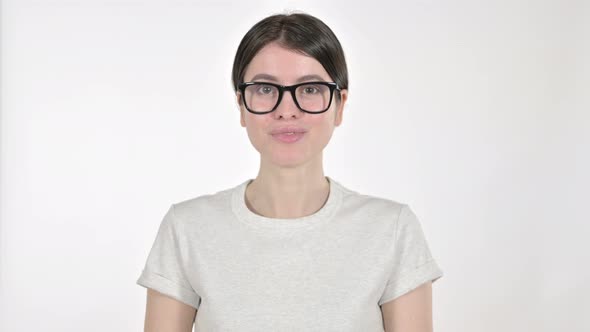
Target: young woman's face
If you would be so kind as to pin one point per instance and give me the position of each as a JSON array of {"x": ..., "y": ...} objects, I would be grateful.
[{"x": 276, "y": 64}]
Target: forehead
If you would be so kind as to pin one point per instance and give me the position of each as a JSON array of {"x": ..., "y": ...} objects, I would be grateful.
[{"x": 288, "y": 66}]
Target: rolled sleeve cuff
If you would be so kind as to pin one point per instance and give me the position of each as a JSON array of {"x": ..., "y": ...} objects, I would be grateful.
[
  {"x": 150, "y": 279},
  {"x": 429, "y": 271}
]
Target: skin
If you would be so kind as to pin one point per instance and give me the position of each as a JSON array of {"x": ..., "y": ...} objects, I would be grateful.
[
  {"x": 291, "y": 182},
  {"x": 411, "y": 312},
  {"x": 164, "y": 313}
]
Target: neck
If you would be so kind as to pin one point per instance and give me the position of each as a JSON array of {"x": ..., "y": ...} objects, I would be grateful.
[{"x": 280, "y": 192}]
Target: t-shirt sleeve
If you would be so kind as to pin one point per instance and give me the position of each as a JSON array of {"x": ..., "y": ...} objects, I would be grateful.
[
  {"x": 413, "y": 264},
  {"x": 164, "y": 269}
]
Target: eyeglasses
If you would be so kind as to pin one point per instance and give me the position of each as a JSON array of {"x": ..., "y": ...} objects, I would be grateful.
[{"x": 265, "y": 97}]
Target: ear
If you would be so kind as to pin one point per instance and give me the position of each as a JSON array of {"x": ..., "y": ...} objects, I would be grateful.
[
  {"x": 340, "y": 108},
  {"x": 241, "y": 109}
]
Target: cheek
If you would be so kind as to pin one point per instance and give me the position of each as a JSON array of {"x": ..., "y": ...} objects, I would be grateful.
[
  {"x": 256, "y": 126},
  {"x": 322, "y": 128},
  {"x": 326, "y": 121}
]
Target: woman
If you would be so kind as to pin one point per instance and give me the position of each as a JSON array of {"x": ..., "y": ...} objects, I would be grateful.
[{"x": 292, "y": 249}]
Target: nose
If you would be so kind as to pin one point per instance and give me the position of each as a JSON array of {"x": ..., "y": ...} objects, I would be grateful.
[{"x": 287, "y": 107}]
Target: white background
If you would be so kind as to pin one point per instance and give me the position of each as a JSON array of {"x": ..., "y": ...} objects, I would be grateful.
[{"x": 475, "y": 113}]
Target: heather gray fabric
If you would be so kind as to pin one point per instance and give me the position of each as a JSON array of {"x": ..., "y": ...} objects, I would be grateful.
[{"x": 329, "y": 271}]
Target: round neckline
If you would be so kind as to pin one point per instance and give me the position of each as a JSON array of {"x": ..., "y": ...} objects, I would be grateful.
[{"x": 244, "y": 214}]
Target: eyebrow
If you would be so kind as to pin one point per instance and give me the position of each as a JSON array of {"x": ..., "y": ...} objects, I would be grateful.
[{"x": 300, "y": 79}]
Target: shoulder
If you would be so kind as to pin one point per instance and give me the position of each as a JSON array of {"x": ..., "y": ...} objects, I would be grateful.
[
  {"x": 371, "y": 206},
  {"x": 202, "y": 207}
]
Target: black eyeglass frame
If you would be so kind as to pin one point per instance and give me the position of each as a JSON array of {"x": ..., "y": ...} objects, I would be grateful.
[{"x": 291, "y": 88}]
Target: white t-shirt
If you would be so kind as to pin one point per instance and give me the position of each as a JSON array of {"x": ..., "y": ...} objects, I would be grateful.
[{"x": 328, "y": 271}]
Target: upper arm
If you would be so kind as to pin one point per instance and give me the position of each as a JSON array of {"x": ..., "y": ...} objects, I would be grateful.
[
  {"x": 164, "y": 313},
  {"x": 172, "y": 301},
  {"x": 411, "y": 312}
]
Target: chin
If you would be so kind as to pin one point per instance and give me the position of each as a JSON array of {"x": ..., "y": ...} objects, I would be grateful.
[
  {"x": 288, "y": 162},
  {"x": 288, "y": 159}
]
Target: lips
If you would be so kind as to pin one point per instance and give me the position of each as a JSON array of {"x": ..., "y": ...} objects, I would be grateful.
[
  {"x": 287, "y": 130},
  {"x": 288, "y": 137},
  {"x": 288, "y": 134}
]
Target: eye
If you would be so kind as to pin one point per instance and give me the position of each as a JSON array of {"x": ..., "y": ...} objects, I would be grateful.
[
  {"x": 265, "y": 89},
  {"x": 310, "y": 89}
]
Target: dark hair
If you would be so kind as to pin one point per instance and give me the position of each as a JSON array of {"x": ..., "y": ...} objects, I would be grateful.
[{"x": 297, "y": 31}]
